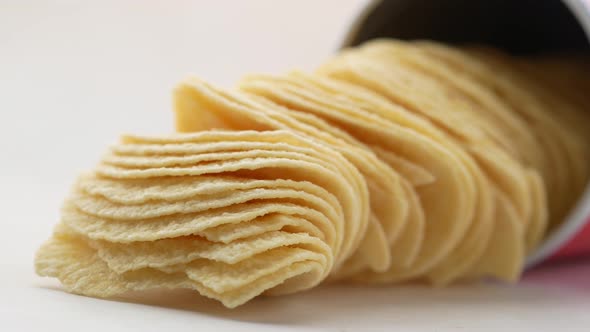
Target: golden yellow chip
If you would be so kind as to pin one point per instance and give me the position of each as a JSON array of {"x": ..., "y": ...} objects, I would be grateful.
[
  {"x": 81, "y": 271},
  {"x": 505, "y": 253}
]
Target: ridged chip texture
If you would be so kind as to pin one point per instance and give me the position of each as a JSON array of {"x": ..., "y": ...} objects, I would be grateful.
[
  {"x": 393, "y": 162},
  {"x": 228, "y": 220}
]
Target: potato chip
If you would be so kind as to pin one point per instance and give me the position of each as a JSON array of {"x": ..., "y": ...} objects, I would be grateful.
[
  {"x": 414, "y": 173},
  {"x": 535, "y": 231},
  {"x": 166, "y": 252},
  {"x": 80, "y": 270},
  {"x": 175, "y": 189},
  {"x": 103, "y": 208},
  {"x": 475, "y": 240},
  {"x": 504, "y": 256},
  {"x": 405, "y": 250},
  {"x": 227, "y": 233},
  {"x": 183, "y": 225}
]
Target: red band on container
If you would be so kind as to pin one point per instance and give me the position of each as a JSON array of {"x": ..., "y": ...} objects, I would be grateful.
[{"x": 576, "y": 246}]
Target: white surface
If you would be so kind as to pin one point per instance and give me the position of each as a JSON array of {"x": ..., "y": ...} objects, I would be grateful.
[{"x": 73, "y": 75}]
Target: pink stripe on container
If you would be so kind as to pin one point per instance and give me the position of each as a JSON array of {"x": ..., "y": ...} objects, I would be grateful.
[{"x": 576, "y": 246}]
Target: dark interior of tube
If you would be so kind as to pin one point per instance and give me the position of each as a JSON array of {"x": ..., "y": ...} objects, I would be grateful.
[{"x": 517, "y": 26}]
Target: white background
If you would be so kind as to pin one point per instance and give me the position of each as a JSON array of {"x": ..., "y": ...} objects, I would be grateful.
[{"x": 74, "y": 75}]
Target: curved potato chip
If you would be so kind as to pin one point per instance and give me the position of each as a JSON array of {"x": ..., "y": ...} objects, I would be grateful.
[
  {"x": 189, "y": 224},
  {"x": 468, "y": 252},
  {"x": 405, "y": 250},
  {"x": 414, "y": 173},
  {"x": 227, "y": 233},
  {"x": 175, "y": 189},
  {"x": 166, "y": 252},
  {"x": 72, "y": 261},
  {"x": 504, "y": 256}
]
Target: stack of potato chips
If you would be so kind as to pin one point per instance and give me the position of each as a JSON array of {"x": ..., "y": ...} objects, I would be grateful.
[{"x": 394, "y": 162}]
